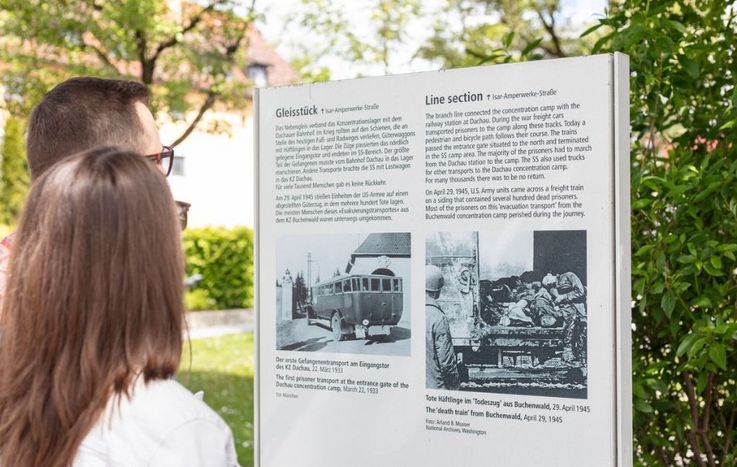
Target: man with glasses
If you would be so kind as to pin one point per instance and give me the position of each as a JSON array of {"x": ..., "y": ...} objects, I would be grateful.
[{"x": 83, "y": 113}]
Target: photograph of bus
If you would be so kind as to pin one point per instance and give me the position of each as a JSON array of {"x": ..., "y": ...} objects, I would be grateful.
[
  {"x": 344, "y": 293},
  {"x": 357, "y": 306}
]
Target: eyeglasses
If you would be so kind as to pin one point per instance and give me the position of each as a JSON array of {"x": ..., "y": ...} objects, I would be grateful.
[
  {"x": 164, "y": 159},
  {"x": 182, "y": 210}
]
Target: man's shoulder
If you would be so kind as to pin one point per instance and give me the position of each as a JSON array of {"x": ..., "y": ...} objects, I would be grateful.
[
  {"x": 5, "y": 247},
  {"x": 434, "y": 313},
  {"x": 7, "y": 240}
]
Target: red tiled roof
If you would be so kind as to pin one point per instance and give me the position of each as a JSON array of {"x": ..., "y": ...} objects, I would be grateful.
[{"x": 278, "y": 71}]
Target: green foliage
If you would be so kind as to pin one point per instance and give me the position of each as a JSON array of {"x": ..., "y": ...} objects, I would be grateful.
[
  {"x": 473, "y": 32},
  {"x": 186, "y": 57},
  {"x": 464, "y": 32},
  {"x": 224, "y": 258},
  {"x": 14, "y": 178},
  {"x": 684, "y": 226},
  {"x": 684, "y": 202},
  {"x": 377, "y": 43},
  {"x": 300, "y": 288},
  {"x": 391, "y": 18},
  {"x": 198, "y": 300},
  {"x": 308, "y": 72},
  {"x": 223, "y": 368}
]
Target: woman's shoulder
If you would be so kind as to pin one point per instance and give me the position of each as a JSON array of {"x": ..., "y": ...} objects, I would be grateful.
[
  {"x": 160, "y": 419},
  {"x": 163, "y": 406},
  {"x": 170, "y": 397}
]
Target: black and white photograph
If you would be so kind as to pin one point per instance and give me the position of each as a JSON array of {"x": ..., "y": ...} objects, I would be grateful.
[
  {"x": 344, "y": 293},
  {"x": 506, "y": 312}
]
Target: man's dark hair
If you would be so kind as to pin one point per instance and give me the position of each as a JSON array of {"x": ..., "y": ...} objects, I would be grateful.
[{"x": 83, "y": 113}]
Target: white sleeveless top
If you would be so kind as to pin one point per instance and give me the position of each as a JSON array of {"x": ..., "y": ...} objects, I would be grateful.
[{"x": 161, "y": 425}]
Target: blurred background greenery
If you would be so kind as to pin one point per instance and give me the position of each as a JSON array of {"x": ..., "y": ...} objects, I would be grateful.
[
  {"x": 222, "y": 367},
  {"x": 223, "y": 259}
]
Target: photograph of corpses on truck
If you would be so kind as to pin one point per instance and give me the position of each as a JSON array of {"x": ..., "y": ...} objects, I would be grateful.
[
  {"x": 506, "y": 312},
  {"x": 345, "y": 293}
]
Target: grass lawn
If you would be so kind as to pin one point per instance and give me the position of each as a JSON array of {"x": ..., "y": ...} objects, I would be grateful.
[{"x": 223, "y": 368}]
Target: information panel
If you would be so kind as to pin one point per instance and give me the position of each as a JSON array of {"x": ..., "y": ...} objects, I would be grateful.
[{"x": 443, "y": 268}]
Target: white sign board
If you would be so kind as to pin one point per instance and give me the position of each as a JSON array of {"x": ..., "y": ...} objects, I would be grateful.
[{"x": 443, "y": 268}]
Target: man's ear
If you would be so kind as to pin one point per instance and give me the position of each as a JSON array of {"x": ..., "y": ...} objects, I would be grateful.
[{"x": 150, "y": 141}]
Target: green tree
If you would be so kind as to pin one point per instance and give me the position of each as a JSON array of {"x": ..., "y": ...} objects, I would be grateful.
[
  {"x": 684, "y": 206},
  {"x": 391, "y": 18},
  {"x": 14, "y": 179},
  {"x": 377, "y": 43},
  {"x": 300, "y": 288},
  {"x": 464, "y": 33},
  {"x": 684, "y": 225},
  {"x": 191, "y": 55},
  {"x": 473, "y": 32},
  {"x": 307, "y": 71}
]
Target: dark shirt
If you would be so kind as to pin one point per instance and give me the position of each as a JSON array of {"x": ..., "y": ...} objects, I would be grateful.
[{"x": 440, "y": 359}]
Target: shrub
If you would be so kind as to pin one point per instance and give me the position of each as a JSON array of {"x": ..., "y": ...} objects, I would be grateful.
[
  {"x": 14, "y": 177},
  {"x": 224, "y": 259},
  {"x": 198, "y": 300},
  {"x": 684, "y": 226}
]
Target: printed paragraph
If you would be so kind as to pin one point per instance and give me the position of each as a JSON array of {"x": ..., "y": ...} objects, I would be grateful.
[
  {"x": 480, "y": 164},
  {"x": 321, "y": 169}
]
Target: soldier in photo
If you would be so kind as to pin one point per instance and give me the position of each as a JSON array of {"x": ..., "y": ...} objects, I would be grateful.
[
  {"x": 570, "y": 296},
  {"x": 441, "y": 365}
]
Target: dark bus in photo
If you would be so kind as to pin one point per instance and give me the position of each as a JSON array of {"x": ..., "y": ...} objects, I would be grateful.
[{"x": 357, "y": 306}]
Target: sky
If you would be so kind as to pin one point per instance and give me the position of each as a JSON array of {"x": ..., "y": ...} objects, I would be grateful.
[
  {"x": 502, "y": 253},
  {"x": 288, "y": 37},
  {"x": 329, "y": 252},
  {"x": 505, "y": 252}
]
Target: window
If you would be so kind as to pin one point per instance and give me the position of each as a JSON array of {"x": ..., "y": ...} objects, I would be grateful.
[
  {"x": 355, "y": 284},
  {"x": 365, "y": 284},
  {"x": 178, "y": 167},
  {"x": 257, "y": 74},
  {"x": 397, "y": 285},
  {"x": 386, "y": 285},
  {"x": 338, "y": 288},
  {"x": 375, "y": 285}
]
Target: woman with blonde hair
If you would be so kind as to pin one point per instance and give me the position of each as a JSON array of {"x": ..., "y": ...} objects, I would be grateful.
[{"x": 91, "y": 326}]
